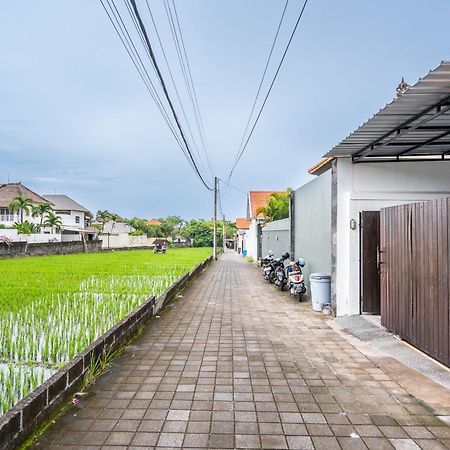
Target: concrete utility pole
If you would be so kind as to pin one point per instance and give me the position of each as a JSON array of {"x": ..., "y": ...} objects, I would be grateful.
[
  {"x": 223, "y": 233},
  {"x": 215, "y": 220}
]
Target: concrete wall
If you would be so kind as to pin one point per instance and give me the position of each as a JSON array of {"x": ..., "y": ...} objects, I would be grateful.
[
  {"x": 251, "y": 240},
  {"x": 312, "y": 225},
  {"x": 125, "y": 240},
  {"x": 50, "y": 248},
  {"x": 275, "y": 237},
  {"x": 369, "y": 187},
  {"x": 13, "y": 236}
]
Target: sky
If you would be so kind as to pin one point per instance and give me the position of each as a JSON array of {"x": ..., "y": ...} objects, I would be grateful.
[{"x": 76, "y": 119}]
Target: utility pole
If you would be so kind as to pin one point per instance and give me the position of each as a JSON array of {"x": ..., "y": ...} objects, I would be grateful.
[
  {"x": 215, "y": 220},
  {"x": 223, "y": 232}
]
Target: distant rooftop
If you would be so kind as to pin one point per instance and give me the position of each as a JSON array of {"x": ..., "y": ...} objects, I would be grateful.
[
  {"x": 9, "y": 191},
  {"x": 65, "y": 203}
]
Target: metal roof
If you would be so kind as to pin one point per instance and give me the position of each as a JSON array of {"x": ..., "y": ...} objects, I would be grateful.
[
  {"x": 63, "y": 202},
  {"x": 415, "y": 125}
]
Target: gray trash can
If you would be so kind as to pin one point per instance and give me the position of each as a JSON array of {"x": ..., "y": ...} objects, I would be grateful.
[{"x": 320, "y": 290}]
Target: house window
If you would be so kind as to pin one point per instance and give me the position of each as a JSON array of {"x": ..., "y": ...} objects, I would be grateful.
[{"x": 77, "y": 219}]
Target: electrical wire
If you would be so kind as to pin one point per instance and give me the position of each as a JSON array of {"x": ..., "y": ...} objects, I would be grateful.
[
  {"x": 166, "y": 93},
  {"x": 262, "y": 77},
  {"x": 180, "y": 48},
  {"x": 137, "y": 61},
  {"x": 269, "y": 91}
]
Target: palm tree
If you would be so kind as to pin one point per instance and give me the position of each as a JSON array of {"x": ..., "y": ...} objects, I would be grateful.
[
  {"x": 53, "y": 221},
  {"x": 41, "y": 210},
  {"x": 103, "y": 216},
  {"x": 277, "y": 206},
  {"x": 22, "y": 205}
]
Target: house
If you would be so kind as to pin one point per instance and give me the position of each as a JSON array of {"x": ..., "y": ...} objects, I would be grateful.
[
  {"x": 75, "y": 218},
  {"x": 154, "y": 222},
  {"x": 242, "y": 227},
  {"x": 10, "y": 191},
  {"x": 255, "y": 201},
  {"x": 399, "y": 156}
]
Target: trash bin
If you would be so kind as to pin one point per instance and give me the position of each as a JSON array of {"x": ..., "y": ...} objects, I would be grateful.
[
  {"x": 244, "y": 252},
  {"x": 320, "y": 290}
]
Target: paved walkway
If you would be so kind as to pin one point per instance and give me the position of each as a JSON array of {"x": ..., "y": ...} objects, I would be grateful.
[{"x": 236, "y": 364}]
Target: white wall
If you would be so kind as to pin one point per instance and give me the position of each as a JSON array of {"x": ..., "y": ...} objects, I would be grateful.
[
  {"x": 251, "y": 240},
  {"x": 125, "y": 240},
  {"x": 13, "y": 236},
  {"x": 369, "y": 187},
  {"x": 69, "y": 220}
]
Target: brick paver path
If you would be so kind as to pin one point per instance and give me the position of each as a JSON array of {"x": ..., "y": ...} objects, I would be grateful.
[{"x": 236, "y": 364}]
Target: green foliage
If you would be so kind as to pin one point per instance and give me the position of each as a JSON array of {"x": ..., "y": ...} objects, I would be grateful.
[
  {"x": 26, "y": 227},
  {"x": 2, "y": 227},
  {"x": 53, "y": 221},
  {"x": 41, "y": 210},
  {"x": 277, "y": 206},
  {"x": 52, "y": 307},
  {"x": 202, "y": 232},
  {"x": 249, "y": 259},
  {"x": 137, "y": 233},
  {"x": 22, "y": 205}
]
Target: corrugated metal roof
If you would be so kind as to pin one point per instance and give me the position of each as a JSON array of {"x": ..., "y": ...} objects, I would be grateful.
[{"x": 415, "y": 124}]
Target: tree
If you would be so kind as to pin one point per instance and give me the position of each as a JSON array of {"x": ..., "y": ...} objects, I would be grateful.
[
  {"x": 102, "y": 217},
  {"x": 277, "y": 206},
  {"x": 53, "y": 221},
  {"x": 21, "y": 205},
  {"x": 41, "y": 210},
  {"x": 172, "y": 225}
]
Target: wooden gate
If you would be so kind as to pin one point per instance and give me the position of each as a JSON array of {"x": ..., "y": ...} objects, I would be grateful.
[
  {"x": 369, "y": 267},
  {"x": 415, "y": 275}
]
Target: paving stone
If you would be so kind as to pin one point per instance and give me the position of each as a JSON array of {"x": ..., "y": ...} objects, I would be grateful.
[{"x": 235, "y": 363}]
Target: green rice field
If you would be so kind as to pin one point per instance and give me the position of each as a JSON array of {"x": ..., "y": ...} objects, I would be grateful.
[{"x": 52, "y": 307}]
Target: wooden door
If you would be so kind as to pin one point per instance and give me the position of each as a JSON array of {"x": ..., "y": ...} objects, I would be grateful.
[{"x": 369, "y": 261}]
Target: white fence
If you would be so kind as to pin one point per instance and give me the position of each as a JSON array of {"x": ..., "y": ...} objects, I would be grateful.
[{"x": 14, "y": 236}]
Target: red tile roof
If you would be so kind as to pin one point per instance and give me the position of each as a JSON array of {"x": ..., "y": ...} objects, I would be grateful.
[
  {"x": 259, "y": 199},
  {"x": 242, "y": 223},
  {"x": 154, "y": 222}
]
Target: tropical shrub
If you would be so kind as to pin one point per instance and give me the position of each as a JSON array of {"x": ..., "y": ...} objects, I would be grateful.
[{"x": 26, "y": 227}]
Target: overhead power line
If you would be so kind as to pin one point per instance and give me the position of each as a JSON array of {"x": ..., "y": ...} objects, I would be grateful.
[
  {"x": 127, "y": 41},
  {"x": 241, "y": 152},
  {"x": 166, "y": 93}
]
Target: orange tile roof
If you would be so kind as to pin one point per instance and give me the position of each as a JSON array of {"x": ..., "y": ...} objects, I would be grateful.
[
  {"x": 320, "y": 167},
  {"x": 259, "y": 199},
  {"x": 154, "y": 222},
  {"x": 242, "y": 223}
]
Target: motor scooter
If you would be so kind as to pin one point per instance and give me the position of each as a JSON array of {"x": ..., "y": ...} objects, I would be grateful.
[{"x": 296, "y": 281}]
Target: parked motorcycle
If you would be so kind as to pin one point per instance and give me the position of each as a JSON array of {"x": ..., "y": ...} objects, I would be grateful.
[
  {"x": 271, "y": 269},
  {"x": 296, "y": 282},
  {"x": 280, "y": 277},
  {"x": 267, "y": 259}
]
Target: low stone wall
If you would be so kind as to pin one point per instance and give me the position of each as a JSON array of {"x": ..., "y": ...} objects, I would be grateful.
[
  {"x": 44, "y": 401},
  {"x": 48, "y": 248}
]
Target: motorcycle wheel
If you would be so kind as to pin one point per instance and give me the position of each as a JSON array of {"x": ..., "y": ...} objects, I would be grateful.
[
  {"x": 300, "y": 296},
  {"x": 281, "y": 286}
]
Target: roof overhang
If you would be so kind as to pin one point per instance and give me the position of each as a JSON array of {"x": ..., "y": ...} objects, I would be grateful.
[{"x": 414, "y": 126}]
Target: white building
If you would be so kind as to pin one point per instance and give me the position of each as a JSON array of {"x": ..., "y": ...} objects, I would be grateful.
[
  {"x": 255, "y": 201},
  {"x": 75, "y": 218},
  {"x": 401, "y": 155}
]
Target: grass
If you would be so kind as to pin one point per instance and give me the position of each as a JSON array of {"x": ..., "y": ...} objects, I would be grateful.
[{"x": 52, "y": 307}]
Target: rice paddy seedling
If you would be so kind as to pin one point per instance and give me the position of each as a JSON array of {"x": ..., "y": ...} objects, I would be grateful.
[{"x": 53, "y": 307}]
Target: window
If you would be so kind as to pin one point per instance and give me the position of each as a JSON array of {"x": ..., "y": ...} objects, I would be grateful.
[{"x": 77, "y": 219}]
